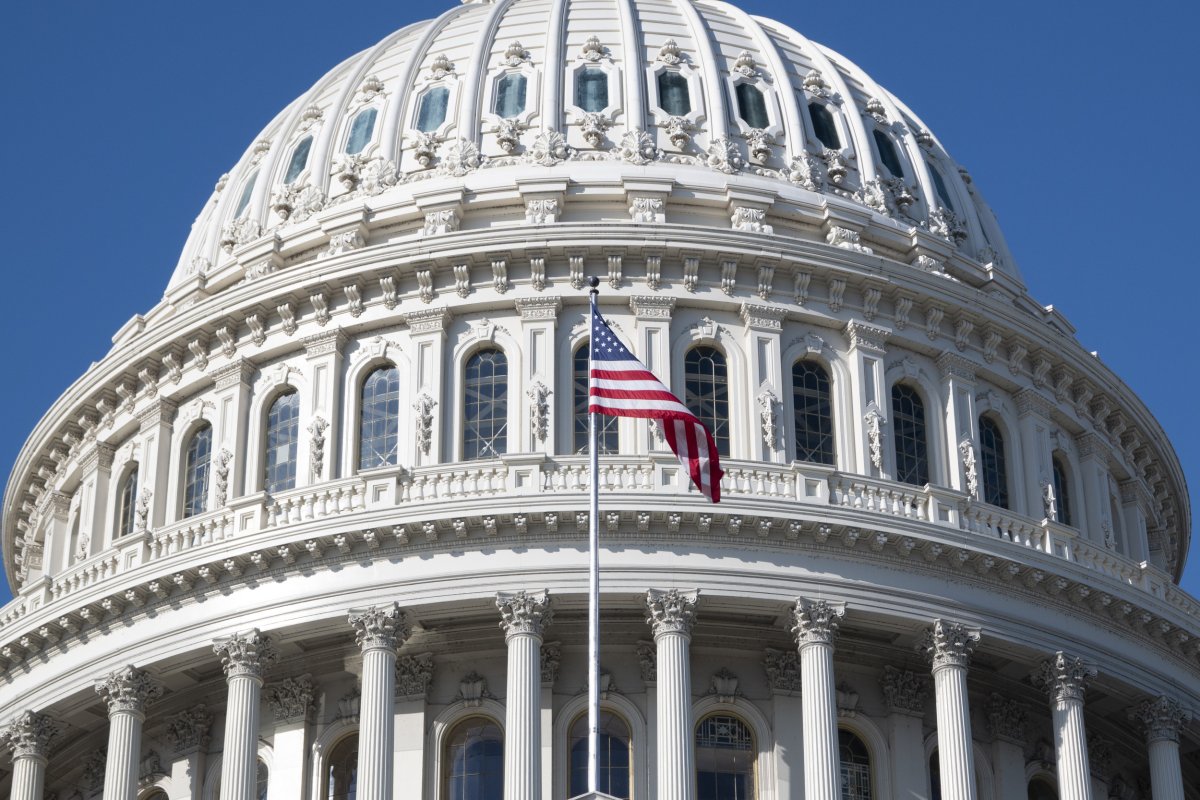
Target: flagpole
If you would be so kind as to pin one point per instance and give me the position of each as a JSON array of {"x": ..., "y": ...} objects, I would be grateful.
[{"x": 594, "y": 571}]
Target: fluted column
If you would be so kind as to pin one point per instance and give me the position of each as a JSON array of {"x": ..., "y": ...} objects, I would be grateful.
[
  {"x": 126, "y": 691},
  {"x": 1065, "y": 680},
  {"x": 523, "y": 616},
  {"x": 27, "y": 738},
  {"x": 815, "y": 624},
  {"x": 671, "y": 615},
  {"x": 379, "y": 631},
  {"x": 948, "y": 647},
  {"x": 245, "y": 656},
  {"x": 1162, "y": 719}
]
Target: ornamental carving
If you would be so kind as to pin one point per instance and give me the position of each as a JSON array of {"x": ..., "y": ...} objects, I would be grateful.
[
  {"x": 29, "y": 734},
  {"x": 551, "y": 658},
  {"x": 593, "y": 50},
  {"x": 759, "y": 142},
  {"x": 647, "y": 209},
  {"x": 515, "y": 55},
  {"x": 836, "y": 166},
  {"x": 945, "y": 223},
  {"x": 414, "y": 673},
  {"x": 246, "y": 654},
  {"x": 783, "y": 670},
  {"x": 806, "y": 171},
  {"x": 141, "y": 514},
  {"x": 93, "y": 769},
  {"x": 508, "y": 134},
  {"x": 291, "y": 699},
  {"x": 593, "y": 127},
  {"x": 670, "y": 53},
  {"x": 380, "y": 627},
  {"x": 816, "y": 621},
  {"x": 316, "y": 446},
  {"x": 296, "y": 203},
  {"x": 874, "y": 422},
  {"x": 188, "y": 730},
  {"x": 725, "y": 686},
  {"x": 458, "y": 157},
  {"x": 966, "y": 450},
  {"x": 344, "y": 242},
  {"x": 746, "y": 65},
  {"x": 679, "y": 131},
  {"x": 1006, "y": 718},
  {"x": 523, "y": 613},
  {"x": 541, "y": 211},
  {"x": 723, "y": 156},
  {"x": 128, "y": 689},
  {"x": 472, "y": 689},
  {"x": 768, "y": 416},
  {"x": 637, "y": 147},
  {"x": 905, "y": 691},
  {"x": 425, "y": 147},
  {"x": 539, "y": 410},
  {"x": 445, "y": 220},
  {"x": 1161, "y": 718},
  {"x": 424, "y": 406},
  {"x": 238, "y": 232},
  {"x": 221, "y": 473},
  {"x": 441, "y": 67},
  {"x": 647, "y": 655},
  {"x": 671, "y": 611},
  {"x": 846, "y": 239},
  {"x": 549, "y": 148},
  {"x": 750, "y": 219},
  {"x": 814, "y": 83},
  {"x": 949, "y": 644},
  {"x": 1063, "y": 678}
]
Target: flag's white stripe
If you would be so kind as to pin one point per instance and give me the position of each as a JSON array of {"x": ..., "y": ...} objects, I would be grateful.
[
  {"x": 629, "y": 385},
  {"x": 702, "y": 455},
  {"x": 619, "y": 366},
  {"x": 638, "y": 404}
]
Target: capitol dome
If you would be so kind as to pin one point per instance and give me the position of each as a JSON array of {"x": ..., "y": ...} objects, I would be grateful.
[{"x": 316, "y": 526}]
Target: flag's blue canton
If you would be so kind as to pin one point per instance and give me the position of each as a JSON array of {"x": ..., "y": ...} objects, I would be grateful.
[{"x": 605, "y": 345}]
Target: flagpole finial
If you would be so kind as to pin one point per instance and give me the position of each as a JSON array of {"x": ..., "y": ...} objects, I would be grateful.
[{"x": 594, "y": 282}]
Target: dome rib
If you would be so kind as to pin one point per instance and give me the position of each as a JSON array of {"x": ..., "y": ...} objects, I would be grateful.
[
  {"x": 631, "y": 45},
  {"x": 556, "y": 35},
  {"x": 714, "y": 96},
  {"x": 471, "y": 112}
]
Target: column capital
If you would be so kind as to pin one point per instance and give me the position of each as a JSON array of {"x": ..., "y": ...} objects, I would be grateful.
[
  {"x": 1063, "y": 678},
  {"x": 291, "y": 699},
  {"x": 380, "y": 627},
  {"x": 671, "y": 611},
  {"x": 414, "y": 673},
  {"x": 188, "y": 730},
  {"x": 524, "y": 613},
  {"x": 816, "y": 621},
  {"x": 29, "y": 735},
  {"x": 249, "y": 654},
  {"x": 905, "y": 691},
  {"x": 1006, "y": 719},
  {"x": 949, "y": 644},
  {"x": 1161, "y": 717},
  {"x": 128, "y": 689}
]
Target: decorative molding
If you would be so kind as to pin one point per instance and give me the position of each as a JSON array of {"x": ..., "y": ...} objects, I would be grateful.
[
  {"x": 647, "y": 655},
  {"x": 246, "y": 654},
  {"x": 904, "y": 691},
  {"x": 291, "y": 699},
  {"x": 380, "y": 627},
  {"x": 949, "y": 644},
  {"x": 1161, "y": 718},
  {"x": 783, "y": 671},
  {"x": 1007, "y": 719},
  {"x": 671, "y": 611},
  {"x": 414, "y": 674},
  {"x": 764, "y": 318},
  {"x": 816, "y": 621},
  {"x": 1063, "y": 678},
  {"x": 551, "y": 655},
  {"x": 188, "y": 730},
  {"x": 128, "y": 689},
  {"x": 524, "y": 613},
  {"x": 29, "y": 735},
  {"x": 867, "y": 337}
]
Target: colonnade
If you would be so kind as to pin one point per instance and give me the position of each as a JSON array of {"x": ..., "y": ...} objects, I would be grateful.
[{"x": 671, "y": 614}]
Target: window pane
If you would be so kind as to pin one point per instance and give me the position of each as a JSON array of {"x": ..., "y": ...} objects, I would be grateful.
[
  {"x": 195, "y": 472},
  {"x": 341, "y": 772},
  {"x": 908, "y": 420},
  {"x": 608, "y": 425},
  {"x": 127, "y": 511},
  {"x": 591, "y": 89},
  {"x": 706, "y": 392},
  {"x": 299, "y": 160},
  {"x": 1062, "y": 492},
  {"x": 485, "y": 409},
  {"x": 752, "y": 106},
  {"x": 510, "y": 95},
  {"x": 724, "y": 759},
  {"x": 673, "y": 94},
  {"x": 283, "y": 437},
  {"x": 991, "y": 456},
  {"x": 475, "y": 756},
  {"x": 888, "y": 154},
  {"x": 432, "y": 112},
  {"x": 613, "y": 762},
  {"x": 360, "y": 131},
  {"x": 813, "y": 410},
  {"x": 855, "y": 767},
  {"x": 940, "y": 185},
  {"x": 379, "y": 421},
  {"x": 824, "y": 125},
  {"x": 247, "y": 192}
]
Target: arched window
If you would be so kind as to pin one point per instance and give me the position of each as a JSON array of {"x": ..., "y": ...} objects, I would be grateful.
[
  {"x": 341, "y": 770},
  {"x": 888, "y": 154},
  {"x": 247, "y": 193},
  {"x": 1062, "y": 490},
  {"x": 908, "y": 435},
  {"x": 812, "y": 407},
  {"x": 127, "y": 507},
  {"x": 752, "y": 106},
  {"x": 856, "y": 767},
  {"x": 614, "y": 772},
  {"x": 591, "y": 89},
  {"x": 510, "y": 95},
  {"x": 935, "y": 777},
  {"x": 1041, "y": 789},
  {"x": 299, "y": 159},
  {"x": 992, "y": 463},
  {"x": 361, "y": 130},
  {"x": 706, "y": 391},
  {"x": 431, "y": 113},
  {"x": 674, "y": 96},
  {"x": 379, "y": 419},
  {"x": 195, "y": 471},
  {"x": 475, "y": 761},
  {"x": 283, "y": 437},
  {"x": 939, "y": 184},
  {"x": 824, "y": 126},
  {"x": 724, "y": 759},
  {"x": 485, "y": 409},
  {"x": 608, "y": 425}
]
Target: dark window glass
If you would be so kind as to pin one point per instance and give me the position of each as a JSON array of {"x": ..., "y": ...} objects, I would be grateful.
[
  {"x": 485, "y": 412},
  {"x": 724, "y": 759},
  {"x": 283, "y": 438},
  {"x": 127, "y": 509},
  {"x": 935, "y": 777},
  {"x": 856, "y": 767},
  {"x": 674, "y": 97},
  {"x": 195, "y": 472},
  {"x": 939, "y": 183},
  {"x": 299, "y": 160},
  {"x": 341, "y": 770},
  {"x": 1062, "y": 491},
  {"x": 991, "y": 456},
  {"x": 824, "y": 126},
  {"x": 510, "y": 95},
  {"x": 608, "y": 425},
  {"x": 379, "y": 423},
  {"x": 591, "y": 89},
  {"x": 247, "y": 193},
  {"x": 361, "y": 131},
  {"x": 888, "y": 154},
  {"x": 1041, "y": 790},
  {"x": 264, "y": 778},
  {"x": 432, "y": 111},
  {"x": 475, "y": 761},
  {"x": 752, "y": 106},
  {"x": 706, "y": 392},
  {"x": 908, "y": 426},
  {"x": 813, "y": 410},
  {"x": 613, "y": 767}
]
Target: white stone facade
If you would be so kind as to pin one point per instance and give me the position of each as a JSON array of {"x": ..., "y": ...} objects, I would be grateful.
[{"x": 150, "y": 651}]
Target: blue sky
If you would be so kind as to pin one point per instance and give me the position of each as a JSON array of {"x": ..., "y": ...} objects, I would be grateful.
[{"x": 1076, "y": 120}]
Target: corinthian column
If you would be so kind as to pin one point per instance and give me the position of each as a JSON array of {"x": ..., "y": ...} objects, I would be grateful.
[
  {"x": 815, "y": 624},
  {"x": 245, "y": 656},
  {"x": 671, "y": 615},
  {"x": 1065, "y": 680},
  {"x": 126, "y": 691},
  {"x": 379, "y": 631},
  {"x": 948, "y": 647},
  {"x": 1162, "y": 719},
  {"x": 27, "y": 738},
  {"x": 523, "y": 616}
]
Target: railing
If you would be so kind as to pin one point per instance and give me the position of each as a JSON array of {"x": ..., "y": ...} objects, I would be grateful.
[
  {"x": 883, "y": 497},
  {"x": 989, "y": 520},
  {"x": 326, "y": 500}
]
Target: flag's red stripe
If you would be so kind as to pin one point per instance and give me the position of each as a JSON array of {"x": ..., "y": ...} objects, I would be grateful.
[
  {"x": 633, "y": 394},
  {"x": 623, "y": 375}
]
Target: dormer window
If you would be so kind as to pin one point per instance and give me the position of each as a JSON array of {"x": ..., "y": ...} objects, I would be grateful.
[
  {"x": 431, "y": 113},
  {"x": 247, "y": 193},
  {"x": 299, "y": 159},
  {"x": 888, "y": 154},
  {"x": 361, "y": 131},
  {"x": 591, "y": 89},
  {"x": 673, "y": 94},
  {"x": 510, "y": 95},
  {"x": 824, "y": 126},
  {"x": 752, "y": 106},
  {"x": 939, "y": 184}
]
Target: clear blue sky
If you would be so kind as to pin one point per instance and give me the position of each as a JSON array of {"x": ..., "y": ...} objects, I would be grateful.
[{"x": 1077, "y": 120}]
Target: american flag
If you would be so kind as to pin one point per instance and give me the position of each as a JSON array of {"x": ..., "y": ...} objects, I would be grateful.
[{"x": 620, "y": 386}]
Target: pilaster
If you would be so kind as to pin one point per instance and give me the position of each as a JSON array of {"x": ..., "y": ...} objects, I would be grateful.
[
  {"x": 764, "y": 328},
  {"x": 1033, "y": 421},
  {"x": 539, "y": 321},
  {"x": 961, "y": 423},
  {"x": 427, "y": 332},
  {"x": 231, "y": 419},
  {"x": 869, "y": 405},
  {"x": 414, "y": 673},
  {"x": 652, "y": 320},
  {"x": 784, "y": 679},
  {"x": 1006, "y": 722},
  {"x": 321, "y": 410},
  {"x": 188, "y": 734},
  {"x": 291, "y": 702},
  {"x": 155, "y": 426}
]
